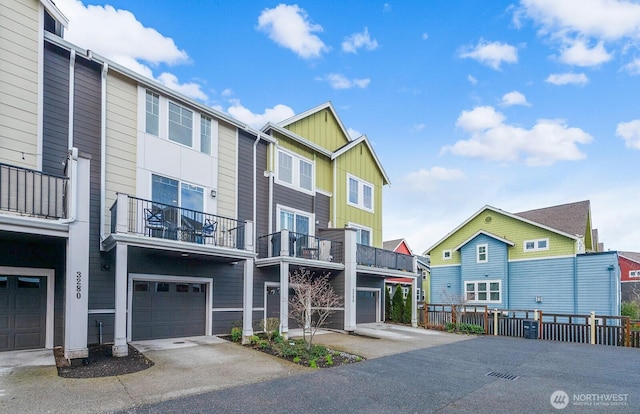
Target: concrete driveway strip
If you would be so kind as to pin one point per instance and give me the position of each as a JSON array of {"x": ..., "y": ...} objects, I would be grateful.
[
  {"x": 197, "y": 366},
  {"x": 483, "y": 375}
]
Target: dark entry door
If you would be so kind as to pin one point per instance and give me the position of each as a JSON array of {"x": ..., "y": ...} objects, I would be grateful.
[
  {"x": 23, "y": 312},
  {"x": 366, "y": 306}
]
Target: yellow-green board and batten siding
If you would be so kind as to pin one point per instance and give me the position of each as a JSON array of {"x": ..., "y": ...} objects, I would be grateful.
[
  {"x": 321, "y": 128},
  {"x": 506, "y": 227}
]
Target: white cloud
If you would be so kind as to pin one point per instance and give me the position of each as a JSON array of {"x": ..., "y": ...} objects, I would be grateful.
[
  {"x": 119, "y": 36},
  {"x": 579, "y": 54},
  {"x": 418, "y": 127},
  {"x": 492, "y": 54},
  {"x": 191, "y": 90},
  {"x": 276, "y": 114},
  {"x": 425, "y": 36},
  {"x": 426, "y": 181},
  {"x": 605, "y": 19},
  {"x": 357, "y": 41},
  {"x": 289, "y": 27},
  {"x": 472, "y": 79},
  {"x": 630, "y": 132},
  {"x": 514, "y": 98},
  {"x": 568, "y": 78},
  {"x": 353, "y": 133},
  {"x": 633, "y": 67},
  {"x": 339, "y": 81},
  {"x": 227, "y": 92},
  {"x": 386, "y": 8},
  {"x": 547, "y": 142}
]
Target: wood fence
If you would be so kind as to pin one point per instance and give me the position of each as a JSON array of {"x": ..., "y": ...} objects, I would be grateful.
[{"x": 587, "y": 329}]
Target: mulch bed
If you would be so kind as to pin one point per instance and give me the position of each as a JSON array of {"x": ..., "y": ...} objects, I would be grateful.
[{"x": 101, "y": 363}]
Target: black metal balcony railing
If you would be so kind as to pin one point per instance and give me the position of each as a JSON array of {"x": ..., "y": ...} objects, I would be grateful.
[
  {"x": 301, "y": 245},
  {"x": 32, "y": 193},
  {"x": 372, "y": 256},
  {"x": 151, "y": 219}
]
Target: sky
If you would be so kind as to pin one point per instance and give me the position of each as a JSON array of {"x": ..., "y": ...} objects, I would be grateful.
[{"x": 514, "y": 104}]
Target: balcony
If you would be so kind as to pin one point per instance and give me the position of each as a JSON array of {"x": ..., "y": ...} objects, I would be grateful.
[
  {"x": 30, "y": 193},
  {"x": 380, "y": 258},
  {"x": 146, "y": 218},
  {"x": 301, "y": 246}
]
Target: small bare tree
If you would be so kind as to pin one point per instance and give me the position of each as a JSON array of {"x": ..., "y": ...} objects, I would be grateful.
[
  {"x": 313, "y": 301},
  {"x": 457, "y": 303}
]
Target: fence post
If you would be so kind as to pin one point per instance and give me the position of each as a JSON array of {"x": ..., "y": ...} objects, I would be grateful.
[
  {"x": 495, "y": 321},
  {"x": 486, "y": 320},
  {"x": 592, "y": 323},
  {"x": 627, "y": 332},
  {"x": 540, "y": 324}
]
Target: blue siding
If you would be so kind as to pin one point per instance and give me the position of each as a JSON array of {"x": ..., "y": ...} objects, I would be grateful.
[
  {"x": 599, "y": 287},
  {"x": 495, "y": 268},
  {"x": 552, "y": 279},
  {"x": 440, "y": 277}
]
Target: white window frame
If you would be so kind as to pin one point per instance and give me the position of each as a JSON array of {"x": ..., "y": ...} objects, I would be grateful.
[
  {"x": 359, "y": 228},
  {"x": 193, "y": 117},
  {"x": 296, "y": 172},
  {"x": 488, "y": 291},
  {"x": 180, "y": 184},
  {"x": 361, "y": 185},
  {"x": 296, "y": 212},
  {"x": 203, "y": 121},
  {"x": 634, "y": 274},
  {"x": 536, "y": 245},
  {"x": 486, "y": 253},
  {"x": 153, "y": 108},
  {"x": 446, "y": 254}
]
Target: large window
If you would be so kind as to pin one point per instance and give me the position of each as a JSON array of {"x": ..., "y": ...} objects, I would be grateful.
[
  {"x": 363, "y": 234},
  {"x": 205, "y": 135},
  {"x": 152, "y": 113},
  {"x": 482, "y": 253},
  {"x": 535, "y": 245},
  {"x": 175, "y": 193},
  {"x": 485, "y": 291},
  {"x": 295, "y": 171},
  {"x": 295, "y": 221},
  {"x": 359, "y": 193},
  {"x": 180, "y": 124}
]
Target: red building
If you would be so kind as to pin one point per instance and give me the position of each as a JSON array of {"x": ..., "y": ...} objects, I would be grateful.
[{"x": 629, "y": 275}]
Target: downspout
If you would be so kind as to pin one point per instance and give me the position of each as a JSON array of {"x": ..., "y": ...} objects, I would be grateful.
[
  {"x": 335, "y": 194},
  {"x": 255, "y": 186},
  {"x": 271, "y": 189},
  {"x": 103, "y": 149},
  {"x": 72, "y": 63},
  {"x": 575, "y": 284}
]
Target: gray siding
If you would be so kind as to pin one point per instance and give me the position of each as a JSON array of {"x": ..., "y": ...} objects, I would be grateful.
[
  {"x": 323, "y": 208},
  {"x": 55, "y": 122},
  {"x": 288, "y": 197},
  {"x": 246, "y": 176}
]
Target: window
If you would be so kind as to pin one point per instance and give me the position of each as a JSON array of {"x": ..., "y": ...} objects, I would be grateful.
[
  {"x": 482, "y": 254},
  {"x": 634, "y": 273},
  {"x": 295, "y": 221},
  {"x": 175, "y": 193},
  {"x": 359, "y": 193},
  {"x": 295, "y": 171},
  {"x": 534, "y": 245},
  {"x": 153, "y": 113},
  {"x": 180, "y": 124},
  {"x": 363, "y": 234},
  {"x": 3, "y": 282},
  {"x": 162, "y": 287},
  {"x": 486, "y": 291},
  {"x": 141, "y": 287},
  {"x": 446, "y": 254},
  {"x": 205, "y": 135}
]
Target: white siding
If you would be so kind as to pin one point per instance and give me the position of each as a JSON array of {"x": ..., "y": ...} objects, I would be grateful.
[{"x": 19, "y": 82}]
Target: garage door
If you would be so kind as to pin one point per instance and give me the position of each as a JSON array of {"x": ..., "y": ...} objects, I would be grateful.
[
  {"x": 23, "y": 312},
  {"x": 168, "y": 310},
  {"x": 366, "y": 306}
]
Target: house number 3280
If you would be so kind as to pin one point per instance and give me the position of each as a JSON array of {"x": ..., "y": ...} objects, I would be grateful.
[{"x": 78, "y": 285}]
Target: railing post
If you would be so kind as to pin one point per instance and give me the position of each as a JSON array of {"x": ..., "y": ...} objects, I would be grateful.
[
  {"x": 284, "y": 243},
  {"x": 248, "y": 236},
  {"x": 495, "y": 321},
  {"x": 122, "y": 213},
  {"x": 592, "y": 323}
]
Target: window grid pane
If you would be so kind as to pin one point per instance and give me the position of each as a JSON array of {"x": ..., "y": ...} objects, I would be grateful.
[
  {"x": 153, "y": 113},
  {"x": 285, "y": 167},
  {"x": 205, "y": 135},
  {"x": 367, "y": 193},
  {"x": 306, "y": 175},
  {"x": 180, "y": 124},
  {"x": 164, "y": 190},
  {"x": 353, "y": 191}
]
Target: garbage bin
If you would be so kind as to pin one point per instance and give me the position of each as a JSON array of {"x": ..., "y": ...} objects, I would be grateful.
[{"x": 530, "y": 328}]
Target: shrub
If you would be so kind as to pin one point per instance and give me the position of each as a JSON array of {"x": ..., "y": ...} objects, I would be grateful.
[
  {"x": 270, "y": 326},
  {"x": 630, "y": 309},
  {"x": 236, "y": 334},
  {"x": 387, "y": 305},
  {"x": 397, "y": 305},
  {"x": 254, "y": 339},
  {"x": 313, "y": 364},
  {"x": 263, "y": 343},
  {"x": 296, "y": 360},
  {"x": 408, "y": 304},
  {"x": 467, "y": 328},
  {"x": 329, "y": 359},
  {"x": 276, "y": 337}
]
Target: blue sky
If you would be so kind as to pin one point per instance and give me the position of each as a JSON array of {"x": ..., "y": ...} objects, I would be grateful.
[{"x": 516, "y": 104}]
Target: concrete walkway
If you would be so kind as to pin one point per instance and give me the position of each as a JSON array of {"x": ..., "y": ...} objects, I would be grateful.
[{"x": 186, "y": 366}]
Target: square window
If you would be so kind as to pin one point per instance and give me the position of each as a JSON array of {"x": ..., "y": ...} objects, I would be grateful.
[
  {"x": 359, "y": 193},
  {"x": 446, "y": 254},
  {"x": 530, "y": 245},
  {"x": 542, "y": 244}
]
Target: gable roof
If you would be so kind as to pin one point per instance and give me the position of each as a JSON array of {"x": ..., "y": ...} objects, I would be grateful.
[
  {"x": 633, "y": 256},
  {"x": 486, "y": 233},
  {"x": 570, "y": 218},
  {"x": 327, "y": 105},
  {"x": 506, "y": 213},
  {"x": 394, "y": 244},
  {"x": 296, "y": 137},
  {"x": 352, "y": 144}
]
